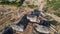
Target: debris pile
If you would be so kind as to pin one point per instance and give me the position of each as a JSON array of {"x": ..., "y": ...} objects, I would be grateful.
[{"x": 43, "y": 26}]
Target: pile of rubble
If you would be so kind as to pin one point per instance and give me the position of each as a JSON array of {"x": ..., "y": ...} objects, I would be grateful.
[{"x": 43, "y": 26}]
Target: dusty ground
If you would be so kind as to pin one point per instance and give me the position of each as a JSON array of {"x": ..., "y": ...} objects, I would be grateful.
[{"x": 13, "y": 14}]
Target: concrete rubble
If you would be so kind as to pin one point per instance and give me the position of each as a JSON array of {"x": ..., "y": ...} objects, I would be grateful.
[
  {"x": 25, "y": 20},
  {"x": 33, "y": 19}
]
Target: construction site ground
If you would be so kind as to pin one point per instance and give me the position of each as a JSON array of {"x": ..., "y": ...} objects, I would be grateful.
[{"x": 13, "y": 15}]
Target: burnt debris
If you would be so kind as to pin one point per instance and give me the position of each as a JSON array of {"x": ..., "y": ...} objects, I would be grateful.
[{"x": 7, "y": 30}]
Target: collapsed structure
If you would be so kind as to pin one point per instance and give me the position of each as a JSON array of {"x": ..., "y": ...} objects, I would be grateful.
[
  {"x": 21, "y": 25},
  {"x": 42, "y": 25},
  {"x": 8, "y": 30},
  {"x": 33, "y": 17}
]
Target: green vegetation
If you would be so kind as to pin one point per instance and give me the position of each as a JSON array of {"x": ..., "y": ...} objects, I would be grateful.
[
  {"x": 32, "y": 6},
  {"x": 53, "y": 22},
  {"x": 57, "y": 13},
  {"x": 12, "y": 3},
  {"x": 55, "y": 4},
  {"x": 53, "y": 7}
]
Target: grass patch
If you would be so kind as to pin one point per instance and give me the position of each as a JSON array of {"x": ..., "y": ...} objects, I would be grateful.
[
  {"x": 12, "y": 3},
  {"x": 53, "y": 22},
  {"x": 55, "y": 7},
  {"x": 55, "y": 4},
  {"x": 32, "y": 6},
  {"x": 57, "y": 13}
]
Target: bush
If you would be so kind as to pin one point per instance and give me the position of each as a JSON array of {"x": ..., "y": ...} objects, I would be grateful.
[
  {"x": 58, "y": 14},
  {"x": 32, "y": 6},
  {"x": 12, "y": 3},
  {"x": 53, "y": 22}
]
